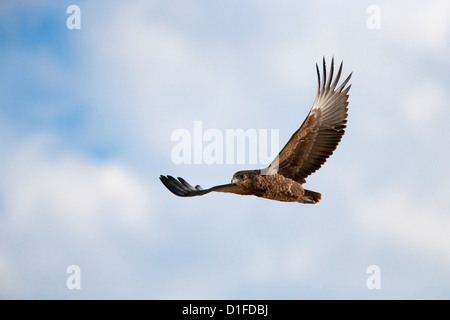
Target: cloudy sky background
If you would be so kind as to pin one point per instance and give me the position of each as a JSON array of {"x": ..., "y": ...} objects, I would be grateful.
[{"x": 86, "y": 118}]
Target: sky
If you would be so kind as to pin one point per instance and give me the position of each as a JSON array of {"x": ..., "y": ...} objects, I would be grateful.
[{"x": 87, "y": 117}]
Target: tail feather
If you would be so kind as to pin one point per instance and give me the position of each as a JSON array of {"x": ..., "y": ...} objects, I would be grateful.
[{"x": 310, "y": 197}]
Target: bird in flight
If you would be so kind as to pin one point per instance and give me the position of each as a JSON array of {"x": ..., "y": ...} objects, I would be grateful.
[{"x": 305, "y": 152}]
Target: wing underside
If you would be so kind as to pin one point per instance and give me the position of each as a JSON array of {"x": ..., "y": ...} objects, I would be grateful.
[
  {"x": 311, "y": 145},
  {"x": 182, "y": 188}
]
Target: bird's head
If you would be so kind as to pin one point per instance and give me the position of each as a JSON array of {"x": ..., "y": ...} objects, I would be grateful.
[{"x": 242, "y": 176}]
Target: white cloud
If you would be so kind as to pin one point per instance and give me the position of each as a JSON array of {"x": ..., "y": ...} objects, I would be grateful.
[
  {"x": 421, "y": 27},
  {"x": 8, "y": 278},
  {"x": 413, "y": 217},
  {"x": 60, "y": 208},
  {"x": 423, "y": 106},
  {"x": 148, "y": 77},
  {"x": 298, "y": 260},
  {"x": 79, "y": 194}
]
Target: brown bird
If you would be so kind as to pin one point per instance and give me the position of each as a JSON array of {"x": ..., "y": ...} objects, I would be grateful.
[{"x": 306, "y": 151}]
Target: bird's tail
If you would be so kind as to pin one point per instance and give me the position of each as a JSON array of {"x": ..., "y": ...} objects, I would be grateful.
[{"x": 310, "y": 197}]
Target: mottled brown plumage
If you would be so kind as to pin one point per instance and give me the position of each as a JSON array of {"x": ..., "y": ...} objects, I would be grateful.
[{"x": 306, "y": 151}]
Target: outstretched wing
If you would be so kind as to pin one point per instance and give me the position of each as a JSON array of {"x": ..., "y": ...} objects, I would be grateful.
[
  {"x": 317, "y": 138},
  {"x": 183, "y": 189}
]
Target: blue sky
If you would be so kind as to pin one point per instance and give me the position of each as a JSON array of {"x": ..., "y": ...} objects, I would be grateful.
[{"x": 86, "y": 118}]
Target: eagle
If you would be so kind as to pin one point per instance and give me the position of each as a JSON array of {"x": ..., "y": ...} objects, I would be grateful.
[{"x": 305, "y": 152}]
